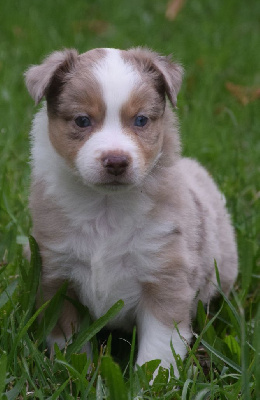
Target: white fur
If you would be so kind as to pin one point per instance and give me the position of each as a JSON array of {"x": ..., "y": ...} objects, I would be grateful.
[
  {"x": 110, "y": 138},
  {"x": 155, "y": 341},
  {"x": 117, "y": 80},
  {"x": 42, "y": 150}
]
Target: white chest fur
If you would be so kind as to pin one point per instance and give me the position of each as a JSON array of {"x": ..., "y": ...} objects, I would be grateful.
[{"x": 111, "y": 249}]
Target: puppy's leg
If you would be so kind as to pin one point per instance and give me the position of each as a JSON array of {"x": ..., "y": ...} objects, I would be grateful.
[
  {"x": 154, "y": 340},
  {"x": 166, "y": 301},
  {"x": 68, "y": 322}
]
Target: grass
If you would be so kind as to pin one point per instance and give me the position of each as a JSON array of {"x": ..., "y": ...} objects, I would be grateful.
[{"x": 217, "y": 43}]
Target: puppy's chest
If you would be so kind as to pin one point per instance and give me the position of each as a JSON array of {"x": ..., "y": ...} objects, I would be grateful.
[
  {"x": 107, "y": 281},
  {"x": 114, "y": 260}
]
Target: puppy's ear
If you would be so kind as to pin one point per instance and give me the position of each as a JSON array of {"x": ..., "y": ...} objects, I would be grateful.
[
  {"x": 172, "y": 75},
  {"x": 164, "y": 71},
  {"x": 38, "y": 78}
]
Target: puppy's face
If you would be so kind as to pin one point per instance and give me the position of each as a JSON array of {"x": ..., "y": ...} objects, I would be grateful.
[{"x": 106, "y": 111}]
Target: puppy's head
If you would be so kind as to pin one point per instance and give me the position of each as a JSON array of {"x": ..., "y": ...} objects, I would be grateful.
[{"x": 108, "y": 116}]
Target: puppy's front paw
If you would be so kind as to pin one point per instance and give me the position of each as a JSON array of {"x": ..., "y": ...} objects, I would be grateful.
[{"x": 155, "y": 342}]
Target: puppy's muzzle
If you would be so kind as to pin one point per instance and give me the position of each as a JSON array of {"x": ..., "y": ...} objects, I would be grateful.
[{"x": 115, "y": 164}]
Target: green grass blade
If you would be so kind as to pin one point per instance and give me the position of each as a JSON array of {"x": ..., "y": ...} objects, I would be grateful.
[
  {"x": 59, "y": 391},
  {"x": 16, "y": 390},
  {"x": 9, "y": 212},
  {"x": 51, "y": 314},
  {"x": 35, "y": 270},
  {"x": 232, "y": 310},
  {"x": 202, "y": 394},
  {"x": 257, "y": 353},
  {"x": 131, "y": 363},
  {"x": 161, "y": 378},
  {"x": 31, "y": 320},
  {"x": 233, "y": 346},
  {"x": 25, "y": 329},
  {"x": 99, "y": 389},
  {"x": 91, "y": 383},
  {"x": 114, "y": 378},
  {"x": 59, "y": 355},
  {"x": 79, "y": 361},
  {"x": 3, "y": 268},
  {"x": 206, "y": 328},
  {"x": 177, "y": 358},
  {"x": 74, "y": 373},
  {"x": 144, "y": 374},
  {"x": 221, "y": 356},
  {"x": 217, "y": 273},
  {"x": 43, "y": 364},
  {"x": 85, "y": 335},
  {"x": 108, "y": 345},
  {"x": 245, "y": 362},
  {"x": 25, "y": 367},
  {"x": 3, "y": 364},
  {"x": 8, "y": 293},
  {"x": 185, "y": 389},
  {"x": 31, "y": 278}
]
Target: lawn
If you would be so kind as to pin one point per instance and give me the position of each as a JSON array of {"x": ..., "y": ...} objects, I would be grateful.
[{"x": 218, "y": 44}]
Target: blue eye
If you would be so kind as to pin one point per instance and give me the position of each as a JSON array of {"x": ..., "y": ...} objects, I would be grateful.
[
  {"x": 141, "y": 120},
  {"x": 83, "y": 121}
]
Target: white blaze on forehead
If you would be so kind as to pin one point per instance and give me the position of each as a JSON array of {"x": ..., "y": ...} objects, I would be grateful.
[{"x": 117, "y": 79}]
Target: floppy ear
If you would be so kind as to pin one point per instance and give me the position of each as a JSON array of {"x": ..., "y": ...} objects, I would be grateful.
[
  {"x": 172, "y": 75},
  {"x": 161, "y": 69},
  {"x": 39, "y": 77}
]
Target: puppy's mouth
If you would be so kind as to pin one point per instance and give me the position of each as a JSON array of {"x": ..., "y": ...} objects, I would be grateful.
[
  {"x": 113, "y": 183},
  {"x": 107, "y": 185},
  {"x": 113, "y": 186}
]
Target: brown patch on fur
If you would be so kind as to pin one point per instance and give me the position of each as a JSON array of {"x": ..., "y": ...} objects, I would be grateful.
[
  {"x": 138, "y": 104},
  {"x": 45, "y": 214},
  {"x": 71, "y": 90},
  {"x": 149, "y": 140},
  {"x": 67, "y": 72},
  {"x": 170, "y": 296},
  {"x": 165, "y": 74},
  {"x": 80, "y": 95},
  {"x": 67, "y": 138},
  {"x": 171, "y": 147},
  {"x": 160, "y": 134},
  {"x": 144, "y": 100}
]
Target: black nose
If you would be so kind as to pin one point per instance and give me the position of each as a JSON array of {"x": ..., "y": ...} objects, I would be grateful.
[{"x": 115, "y": 165}]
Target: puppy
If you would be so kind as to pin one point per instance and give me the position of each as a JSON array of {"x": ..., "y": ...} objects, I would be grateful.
[{"x": 116, "y": 210}]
